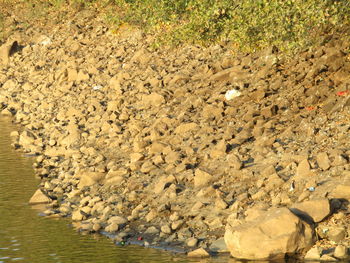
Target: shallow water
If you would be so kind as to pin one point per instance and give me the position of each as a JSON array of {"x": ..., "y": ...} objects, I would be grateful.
[{"x": 27, "y": 237}]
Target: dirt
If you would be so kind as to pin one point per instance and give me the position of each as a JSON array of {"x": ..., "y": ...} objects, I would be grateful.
[{"x": 121, "y": 129}]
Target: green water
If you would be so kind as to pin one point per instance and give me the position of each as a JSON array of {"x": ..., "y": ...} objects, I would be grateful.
[{"x": 27, "y": 237}]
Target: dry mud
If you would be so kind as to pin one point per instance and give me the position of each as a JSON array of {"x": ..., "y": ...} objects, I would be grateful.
[{"x": 144, "y": 145}]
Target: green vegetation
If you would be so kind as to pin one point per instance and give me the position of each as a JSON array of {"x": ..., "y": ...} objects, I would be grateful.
[{"x": 245, "y": 24}]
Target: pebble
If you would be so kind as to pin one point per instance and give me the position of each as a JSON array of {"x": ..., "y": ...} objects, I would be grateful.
[{"x": 192, "y": 242}]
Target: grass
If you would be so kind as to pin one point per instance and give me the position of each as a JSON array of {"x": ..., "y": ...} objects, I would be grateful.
[{"x": 247, "y": 25}]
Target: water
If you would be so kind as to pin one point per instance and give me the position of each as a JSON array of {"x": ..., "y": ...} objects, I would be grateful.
[{"x": 27, "y": 237}]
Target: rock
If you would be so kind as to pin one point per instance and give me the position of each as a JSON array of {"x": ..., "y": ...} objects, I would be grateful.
[
  {"x": 82, "y": 76},
  {"x": 7, "y": 50},
  {"x": 72, "y": 74},
  {"x": 152, "y": 230},
  {"x": 323, "y": 161},
  {"x": 303, "y": 168},
  {"x": 165, "y": 229},
  {"x": 341, "y": 252},
  {"x": 270, "y": 236},
  {"x": 327, "y": 257},
  {"x": 153, "y": 100},
  {"x": 185, "y": 127},
  {"x": 253, "y": 213},
  {"x": 113, "y": 227},
  {"x": 6, "y": 112},
  {"x": 201, "y": 178},
  {"x": 336, "y": 234},
  {"x": 89, "y": 178},
  {"x": 219, "y": 246},
  {"x": 313, "y": 254},
  {"x": 198, "y": 253},
  {"x": 220, "y": 203},
  {"x": 134, "y": 157},
  {"x": 151, "y": 215},
  {"x": 163, "y": 183},
  {"x": 192, "y": 242},
  {"x": 176, "y": 224},
  {"x": 77, "y": 216},
  {"x": 234, "y": 161},
  {"x": 39, "y": 198},
  {"x": 26, "y": 139},
  {"x": 341, "y": 192},
  {"x": 316, "y": 209},
  {"x": 117, "y": 220},
  {"x": 96, "y": 227}
]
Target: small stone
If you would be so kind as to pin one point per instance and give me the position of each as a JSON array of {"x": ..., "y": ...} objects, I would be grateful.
[
  {"x": 96, "y": 227},
  {"x": 6, "y": 51},
  {"x": 175, "y": 216},
  {"x": 192, "y": 242},
  {"x": 82, "y": 76},
  {"x": 201, "y": 178},
  {"x": 166, "y": 229},
  {"x": 234, "y": 161},
  {"x": 336, "y": 234},
  {"x": 316, "y": 209},
  {"x": 341, "y": 252},
  {"x": 153, "y": 100},
  {"x": 327, "y": 257},
  {"x": 341, "y": 192},
  {"x": 118, "y": 220},
  {"x": 198, "y": 253},
  {"x": 39, "y": 198},
  {"x": 134, "y": 157},
  {"x": 313, "y": 254},
  {"x": 323, "y": 161},
  {"x": 89, "y": 178},
  {"x": 72, "y": 74},
  {"x": 176, "y": 224},
  {"x": 77, "y": 216},
  {"x": 152, "y": 230},
  {"x": 113, "y": 227},
  {"x": 219, "y": 246},
  {"x": 6, "y": 112},
  {"x": 303, "y": 168},
  {"x": 186, "y": 127},
  {"x": 151, "y": 215},
  {"x": 220, "y": 203}
]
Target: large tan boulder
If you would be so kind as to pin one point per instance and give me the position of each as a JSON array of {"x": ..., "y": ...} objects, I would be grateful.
[{"x": 271, "y": 235}]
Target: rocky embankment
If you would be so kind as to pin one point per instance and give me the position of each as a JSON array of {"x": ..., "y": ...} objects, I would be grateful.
[{"x": 144, "y": 145}]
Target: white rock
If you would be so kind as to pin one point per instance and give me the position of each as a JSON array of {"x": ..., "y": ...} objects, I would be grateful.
[{"x": 231, "y": 94}]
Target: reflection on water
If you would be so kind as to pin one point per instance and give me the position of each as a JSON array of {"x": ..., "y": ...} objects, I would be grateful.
[{"x": 27, "y": 237}]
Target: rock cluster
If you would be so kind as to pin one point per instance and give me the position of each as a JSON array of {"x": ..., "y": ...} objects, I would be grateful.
[{"x": 142, "y": 143}]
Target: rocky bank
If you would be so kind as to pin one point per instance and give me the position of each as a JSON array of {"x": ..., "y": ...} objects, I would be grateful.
[{"x": 142, "y": 144}]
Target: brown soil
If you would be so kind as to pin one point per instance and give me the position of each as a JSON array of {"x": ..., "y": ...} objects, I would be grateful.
[{"x": 123, "y": 130}]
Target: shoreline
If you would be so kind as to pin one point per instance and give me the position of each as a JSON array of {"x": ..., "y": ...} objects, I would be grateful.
[{"x": 132, "y": 141}]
